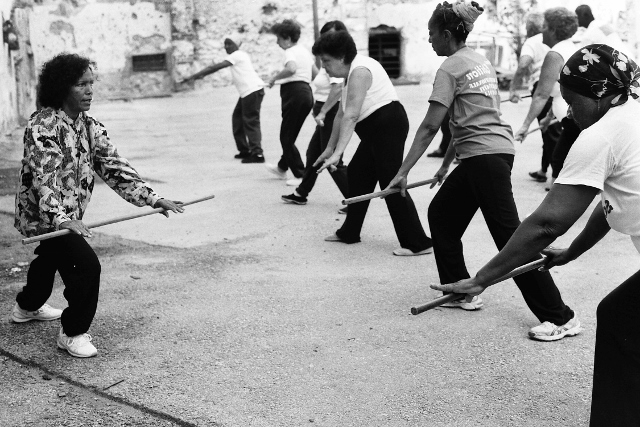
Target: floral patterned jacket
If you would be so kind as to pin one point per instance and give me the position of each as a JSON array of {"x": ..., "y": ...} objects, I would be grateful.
[{"x": 57, "y": 176}]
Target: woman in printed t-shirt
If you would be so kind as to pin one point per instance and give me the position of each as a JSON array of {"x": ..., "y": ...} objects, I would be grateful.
[
  {"x": 296, "y": 96},
  {"x": 596, "y": 82},
  {"x": 466, "y": 86},
  {"x": 370, "y": 108}
]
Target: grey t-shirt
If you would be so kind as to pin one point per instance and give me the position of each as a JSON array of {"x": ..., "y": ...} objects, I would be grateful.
[{"x": 466, "y": 83}]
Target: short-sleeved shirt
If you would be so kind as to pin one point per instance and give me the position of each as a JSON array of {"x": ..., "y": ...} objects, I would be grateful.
[
  {"x": 379, "y": 94},
  {"x": 606, "y": 156},
  {"x": 322, "y": 84},
  {"x": 565, "y": 49},
  {"x": 243, "y": 74},
  {"x": 304, "y": 63},
  {"x": 537, "y": 50},
  {"x": 466, "y": 83}
]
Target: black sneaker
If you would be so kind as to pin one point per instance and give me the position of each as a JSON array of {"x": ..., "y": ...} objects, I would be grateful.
[
  {"x": 242, "y": 155},
  {"x": 257, "y": 158},
  {"x": 436, "y": 153},
  {"x": 296, "y": 200}
]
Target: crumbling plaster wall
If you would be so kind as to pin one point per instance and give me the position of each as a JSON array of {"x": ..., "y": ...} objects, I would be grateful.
[
  {"x": 109, "y": 32},
  {"x": 8, "y": 110}
]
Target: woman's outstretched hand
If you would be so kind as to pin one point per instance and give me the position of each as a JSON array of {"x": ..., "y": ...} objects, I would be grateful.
[
  {"x": 169, "y": 205},
  {"x": 470, "y": 287},
  {"x": 398, "y": 182}
]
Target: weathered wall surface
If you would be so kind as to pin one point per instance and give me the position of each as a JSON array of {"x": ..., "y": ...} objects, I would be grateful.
[
  {"x": 109, "y": 33},
  {"x": 8, "y": 111}
]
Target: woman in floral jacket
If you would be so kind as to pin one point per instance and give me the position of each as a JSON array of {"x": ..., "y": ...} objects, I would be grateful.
[{"x": 63, "y": 148}]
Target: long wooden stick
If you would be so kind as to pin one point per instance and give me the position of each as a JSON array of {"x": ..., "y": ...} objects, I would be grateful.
[
  {"x": 552, "y": 122},
  {"x": 452, "y": 297},
  {"x": 507, "y": 99},
  {"x": 386, "y": 192},
  {"x": 108, "y": 221}
]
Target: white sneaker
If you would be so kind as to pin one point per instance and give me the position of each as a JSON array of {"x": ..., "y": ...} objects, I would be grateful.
[
  {"x": 548, "y": 331},
  {"x": 274, "y": 169},
  {"x": 475, "y": 303},
  {"x": 45, "y": 313},
  {"x": 294, "y": 182},
  {"x": 78, "y": 346}
]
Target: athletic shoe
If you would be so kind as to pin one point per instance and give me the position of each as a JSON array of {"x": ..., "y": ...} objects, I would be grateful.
[
  {"x": 45, "y": 313},
  {"x": 333, "y": 238},
  {"x": 294, "y": 182},
  {"x": 436, "y": 153},
  {"x": 409, "y": 252},
  {"x": 254, "y": 158},
  {"x": 538, "y": 177},
  {"x": 242, "y": 155},
  {"x": 274, "y": 169},
  {"x": 462, "y": 303},
  {"x": 548, "y": 331},
  {"x": 78, "y": 346},
  {"x": 344, "y": 210},
  {"x": 293, "y": 199}
]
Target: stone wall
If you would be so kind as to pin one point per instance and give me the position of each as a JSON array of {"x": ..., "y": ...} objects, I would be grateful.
[{"x": 8, "y": 110}]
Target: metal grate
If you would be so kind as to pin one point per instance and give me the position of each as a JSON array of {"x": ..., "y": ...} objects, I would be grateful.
[
  {"x": 384, "y": 47},
  {"x": 154, "y": 62}
]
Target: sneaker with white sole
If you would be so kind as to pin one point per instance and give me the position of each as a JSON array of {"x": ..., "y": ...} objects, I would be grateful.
[
  {"x": 548, "y": 331},
  {"x": 409, "y": 252},
  {"x": 44, "y": 313},
  {"x": 462, "y": 303},
  {"x": 78, "y": 346},
  {"x": 274, "y": 169},
  {"x": 293, "y": 182}
]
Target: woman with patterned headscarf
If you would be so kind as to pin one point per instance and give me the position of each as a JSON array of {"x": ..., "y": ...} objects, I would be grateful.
[
  {"x": 599, "y": 83},
  {"x": 467, "y": 88}
]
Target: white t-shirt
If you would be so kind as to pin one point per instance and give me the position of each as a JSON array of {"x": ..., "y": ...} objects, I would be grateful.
[
  {"x": 322, "y": 84},
  {"x": 606, "y": 156},
  {"x": 381, "y": 91},
  {"x": 565, "y": 48},
  {"x": 534, "y": 48},
  {"x": 304, "y": 63},
  {"x": 243, "y": 74}
]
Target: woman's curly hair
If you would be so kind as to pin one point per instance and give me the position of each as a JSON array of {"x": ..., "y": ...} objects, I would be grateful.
[
  {"x": 444, "y": 18},
  {"x": 287, "y": 29},
  {"x": 58, "y": 75},
  {"x": 563, "y": 21}
]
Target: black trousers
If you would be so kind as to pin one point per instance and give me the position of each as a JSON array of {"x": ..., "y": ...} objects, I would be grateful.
[
  {"x": 377, "y": 160},
  {"x": 484, "y": 182},
  {"x": 79, "y": 268},
  {"x": 245, "y": 122},
  {"x": 550, "y": 137},
  {"x": 616, "y": 371},
  {"x": 570, "y": 132},
  {"x": 316, "y": 146},
  {"x": 297, "y": 101}
]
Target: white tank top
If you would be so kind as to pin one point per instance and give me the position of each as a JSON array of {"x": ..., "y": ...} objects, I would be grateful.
[
  {"x": 565, "y": 48},
  {"x": 379, "y": 94}
]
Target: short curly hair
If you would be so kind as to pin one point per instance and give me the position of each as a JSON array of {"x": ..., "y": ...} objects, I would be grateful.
[
  {"x": 58, "y": 75},
  {"x": 338, "y": 44},
  {"x": 561, "y": 20},
  {"x": 287, "y": 29}
]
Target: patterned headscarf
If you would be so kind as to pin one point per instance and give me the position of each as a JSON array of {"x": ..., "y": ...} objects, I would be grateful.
[
  {"x": 598, "y": 71},
  {"x": 467, "y": 12}
]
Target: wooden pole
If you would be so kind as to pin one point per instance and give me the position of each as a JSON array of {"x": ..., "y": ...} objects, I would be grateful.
[
  {"x": 62, "y": 232},
  {"x": 386, "y": 192},
  {"x": 452, "y": 297}
]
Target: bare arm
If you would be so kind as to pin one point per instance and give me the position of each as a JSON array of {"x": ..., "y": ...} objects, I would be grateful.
[
  {"x": 549, "y": 73},
  {"x": 288, "y": 71},
  {"x": 332, "y": 99},
  {"x": 209, "y": 70},
  {"x": 524, "y": 65}
]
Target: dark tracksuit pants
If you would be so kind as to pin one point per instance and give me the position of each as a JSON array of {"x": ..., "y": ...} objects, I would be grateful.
[
  {"x": 317, "y": 145},
  {"x": 570, "y": 132},
  {"x": 616, "y": 371},
  {"x": 245, "y": 123},
  {"x": 297, "y": 101},
  {"x": 484, "y": 182},
  {"x": 79, "y": 269},
  {"x": 377, "y": 160}
]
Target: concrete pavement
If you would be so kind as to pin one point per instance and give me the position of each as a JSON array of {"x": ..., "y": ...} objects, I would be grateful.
[{"x": 237, "y": 312}]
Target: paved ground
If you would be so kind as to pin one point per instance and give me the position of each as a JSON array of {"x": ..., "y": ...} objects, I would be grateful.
[{"x": 237, "y": 313}]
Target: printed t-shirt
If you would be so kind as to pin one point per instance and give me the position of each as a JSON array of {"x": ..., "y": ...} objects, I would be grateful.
[
  {"x": 466, "y": 83},
  {"x": 379, "y": 94},
  {"x": 243, "y": 74},
  {"x": 606, "y": 156},
  {"x": 304, "y": 63}
]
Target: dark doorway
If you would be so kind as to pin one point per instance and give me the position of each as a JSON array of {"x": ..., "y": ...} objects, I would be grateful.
[{"x": 384, "y": 47}]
